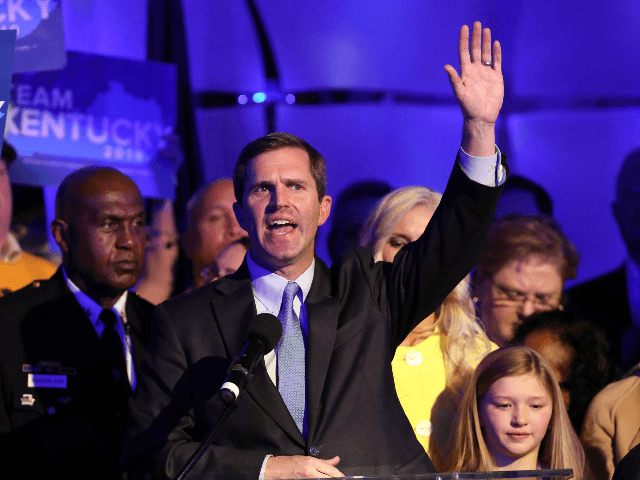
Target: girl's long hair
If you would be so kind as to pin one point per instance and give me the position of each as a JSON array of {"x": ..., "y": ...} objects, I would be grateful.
[{"x": 560, "y": 447}]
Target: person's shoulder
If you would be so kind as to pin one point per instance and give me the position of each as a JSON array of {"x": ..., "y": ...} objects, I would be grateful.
[
  {"x": 200, "y": 297},
  {"x": 594, "y": 285},
  {"x": 38, "y": 265},
  {"x": 357, "y": 258},
  {"x": 615, "y": 393},
  {"x": 143, "y": 308},
  {"x": 356, "y": 266},
  {"x": 33, "y": 299},
  {"x": 600, "y": 299},
  {"x": 37, "y": 289}
]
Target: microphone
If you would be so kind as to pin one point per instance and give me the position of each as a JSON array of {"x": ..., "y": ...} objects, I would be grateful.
[{"x": 262, "y": 336}]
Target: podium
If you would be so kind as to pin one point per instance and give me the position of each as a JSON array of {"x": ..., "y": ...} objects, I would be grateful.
[{"x": 560, "y": 474}]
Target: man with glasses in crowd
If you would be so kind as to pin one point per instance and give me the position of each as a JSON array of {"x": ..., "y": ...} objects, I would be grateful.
[{"x": 527, "y": 260}]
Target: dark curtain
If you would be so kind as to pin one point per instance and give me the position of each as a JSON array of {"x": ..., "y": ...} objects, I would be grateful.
[{"x": 166, "y": 42}]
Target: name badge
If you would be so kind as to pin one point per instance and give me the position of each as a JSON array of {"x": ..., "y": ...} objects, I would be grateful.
[{"x": 35, "y": 380}]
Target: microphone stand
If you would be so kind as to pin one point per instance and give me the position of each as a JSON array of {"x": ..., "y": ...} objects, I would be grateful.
[
  {"x": 265, "y": 329},
  {"x": 228, "y": 410}
]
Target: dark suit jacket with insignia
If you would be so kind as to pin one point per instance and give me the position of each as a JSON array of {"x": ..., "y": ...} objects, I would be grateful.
[
  {"x": 358, "y": 312},
  {"x": 72, "y": 432}
]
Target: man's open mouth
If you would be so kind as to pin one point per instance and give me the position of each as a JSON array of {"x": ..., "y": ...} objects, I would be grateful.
[{"x": 281, "y": 226}]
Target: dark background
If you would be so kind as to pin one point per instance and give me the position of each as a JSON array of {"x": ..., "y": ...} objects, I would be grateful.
[{"x": 374, "y": 99}]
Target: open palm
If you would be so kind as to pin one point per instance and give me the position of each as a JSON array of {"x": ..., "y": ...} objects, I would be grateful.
[{"x": 479, "y": 89}]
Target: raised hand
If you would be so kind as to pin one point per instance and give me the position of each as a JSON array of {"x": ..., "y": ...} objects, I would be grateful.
[
  {"x": 479, "y": 89},
  {"x": 157, "y": 280}
]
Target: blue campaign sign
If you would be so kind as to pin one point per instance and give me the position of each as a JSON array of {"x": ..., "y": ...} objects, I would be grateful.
[
  {"x": 7, "y": 48},
  {"x": 96, "y": 111},
  {"x": 40, "y": 34}
]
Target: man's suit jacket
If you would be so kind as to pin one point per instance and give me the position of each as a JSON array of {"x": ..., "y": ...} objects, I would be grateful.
[
  {"x": 605, "y": 302},
  {"x": 77, "y": 430},
  {"x": 358, "y": 312}
]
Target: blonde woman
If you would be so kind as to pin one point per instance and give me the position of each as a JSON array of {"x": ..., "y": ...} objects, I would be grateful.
[
  {"x": 432, "y": 366},
  {"x": 513, "y": 418}
]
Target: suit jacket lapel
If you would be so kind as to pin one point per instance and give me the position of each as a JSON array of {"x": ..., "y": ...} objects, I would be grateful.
[
  {"x": 233, "y": 312},
  {"x": 138, "y": 319},
  {"x": 322, "y": 316}
]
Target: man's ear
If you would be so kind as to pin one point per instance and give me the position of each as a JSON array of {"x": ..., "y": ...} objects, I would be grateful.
[
  {"x": 237, "y": 209},
  {"x": 60, "y": 232},
  {"x": 325, "y": 209}
]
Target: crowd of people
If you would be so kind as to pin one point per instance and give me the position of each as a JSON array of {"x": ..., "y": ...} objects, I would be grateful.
[{"x": 441, "y": 339}]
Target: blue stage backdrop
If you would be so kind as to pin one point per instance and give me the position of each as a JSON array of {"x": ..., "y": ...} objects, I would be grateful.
[
  {"x": 40, "y": 35},
  {"x": 97, "y": 111},
  {"x": 7, "y": 49}
]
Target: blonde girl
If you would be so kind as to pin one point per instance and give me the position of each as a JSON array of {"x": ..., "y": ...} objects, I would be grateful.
[{"x": 513, "y": 418}]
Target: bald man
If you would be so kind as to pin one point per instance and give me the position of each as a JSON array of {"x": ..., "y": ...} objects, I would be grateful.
[
  {"x": 211, "y": 225},
  {"x": 70, "y": 346}
]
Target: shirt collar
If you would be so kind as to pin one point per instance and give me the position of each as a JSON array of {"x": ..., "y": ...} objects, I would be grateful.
[
  {"x": 12, "y": 250},
  {"x": 269, "y": 287},
  {"x": 89, "y": 305}
]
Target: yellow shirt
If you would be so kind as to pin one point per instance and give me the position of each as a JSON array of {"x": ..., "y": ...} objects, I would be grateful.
[
  {"x": 420, "y": 379},
  {"x": 18, "y": 269}
]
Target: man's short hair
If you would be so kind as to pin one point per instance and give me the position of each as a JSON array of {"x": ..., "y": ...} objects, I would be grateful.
[
  {"x": 541, "y": 196},
  {"x": 277, "y": 141},
  {"x": 516, "y": 237}
]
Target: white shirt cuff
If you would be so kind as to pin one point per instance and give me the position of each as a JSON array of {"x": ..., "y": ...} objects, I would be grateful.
[
  {"x": 264, "y": 467},
  {"x": 484, "y": 170}
]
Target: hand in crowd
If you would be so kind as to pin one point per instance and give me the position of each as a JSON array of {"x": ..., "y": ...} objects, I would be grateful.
[
  {"x": 479, "y": 89},
  {"x": 210, "y": 273},
  {"x": 299, "y": 466},
  {"x": 157, "y": 279},
  {"x": 171, "y": 150}
]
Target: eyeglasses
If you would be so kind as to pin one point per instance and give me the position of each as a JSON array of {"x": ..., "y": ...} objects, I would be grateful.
[{"x": 513, "y": 297}]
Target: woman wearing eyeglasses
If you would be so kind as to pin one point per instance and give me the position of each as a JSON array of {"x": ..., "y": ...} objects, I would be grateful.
[{"x": 527, "y": 260}]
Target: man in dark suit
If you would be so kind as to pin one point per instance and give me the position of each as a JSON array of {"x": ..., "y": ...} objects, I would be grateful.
[
  {"x": 70, "y": 346},
  {"x": 613, "y": 299},
  {"x": 338, "y": 413}
]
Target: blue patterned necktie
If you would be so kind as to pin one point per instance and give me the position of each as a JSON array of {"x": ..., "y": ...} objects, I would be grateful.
[{"x": 291, "y": 357}]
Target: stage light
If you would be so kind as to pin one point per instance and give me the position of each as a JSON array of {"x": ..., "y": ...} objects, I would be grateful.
[
  {"x": 259, "y": 97},
  {"x": 243, "y": 99},
  {"x": 291, "y": 99}
]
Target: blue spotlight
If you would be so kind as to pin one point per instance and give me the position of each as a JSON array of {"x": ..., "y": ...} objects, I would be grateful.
[{"x": 259, "y": 97}]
